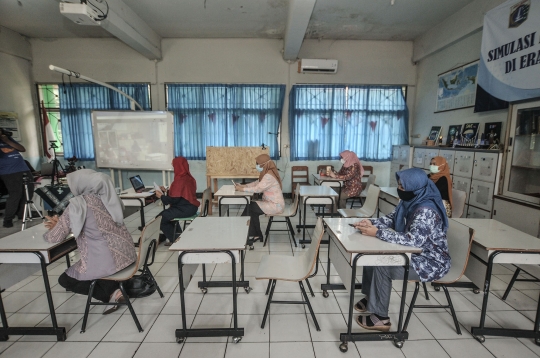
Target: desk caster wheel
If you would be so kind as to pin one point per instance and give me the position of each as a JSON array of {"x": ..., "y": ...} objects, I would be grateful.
[
  {"x": 237, "y": 339},
  {"x": 480, "y": 339},
  {"x": 325, "y": 294},
  {"x": 476, "y": 291},
  {"x": 537, "y": 341},
  {"x": 437, "y": 288},
  {"x": 179, "y": 340},
  {"x": 298, "y": 230},
  {"x": 248, "y": 290},
  {"x": 204, "y": 290},
  {"x": 398, "y": 344},
  {"x": 343, "y": 347},
  {"x": 251, "y": 247},
  {"x": 303, "y": 246}
]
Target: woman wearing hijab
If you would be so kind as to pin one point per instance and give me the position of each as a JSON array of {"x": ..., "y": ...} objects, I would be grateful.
[
  {"x": 95, "y": 217},
  {"x": 418, "y": 220},
  {"x": 440, "y": 174},
  {"x": 181, "y": 198},
  {"x": 269, "y": 184},
  {"x": 351, "y": 173}
]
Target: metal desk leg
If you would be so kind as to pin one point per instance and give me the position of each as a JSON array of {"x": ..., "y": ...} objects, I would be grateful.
[
  {"x": 143, "y": 222},
  {"x": 325, "y": 287}
]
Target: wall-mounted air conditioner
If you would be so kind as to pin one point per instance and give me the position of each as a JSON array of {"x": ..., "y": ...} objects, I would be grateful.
[{"x": 307, "y": 65}]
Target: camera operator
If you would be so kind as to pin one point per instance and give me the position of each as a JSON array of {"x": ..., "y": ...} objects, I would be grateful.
[{"x": 12, "y": 170}]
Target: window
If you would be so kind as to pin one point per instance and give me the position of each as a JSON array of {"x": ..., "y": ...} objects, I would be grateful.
[
  {"x": 229, "y": 115},
  {"x": 324, "y": 120},
  {"x": 69, "y": 108}
]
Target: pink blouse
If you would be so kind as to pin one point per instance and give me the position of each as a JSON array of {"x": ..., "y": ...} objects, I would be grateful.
[{"x": 272, "y": 200}]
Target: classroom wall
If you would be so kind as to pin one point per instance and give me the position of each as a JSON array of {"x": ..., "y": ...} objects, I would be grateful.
[
  {"x": 229, "y": 61},
  {"x": 17, "y": 90}
]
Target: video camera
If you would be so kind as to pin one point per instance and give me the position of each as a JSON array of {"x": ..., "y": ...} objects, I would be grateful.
[{"x": 6, "y": 132}]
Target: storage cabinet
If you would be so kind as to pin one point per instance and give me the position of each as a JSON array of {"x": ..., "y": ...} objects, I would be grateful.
[
  {"x": 519, "y": 215},
  {"x": 475, "y": 213},
  {"x": 485, "y": 167},
  {"x": 463, "y": 164},
  {"x": 418, "y": 158},
  {"x": 463, "y": 184},
  {"x": 401, "y": 160},
  {"x": 481, "y": 195},
  {"x": 429, "y": 154},
  {"x": 449, "y": 155}
]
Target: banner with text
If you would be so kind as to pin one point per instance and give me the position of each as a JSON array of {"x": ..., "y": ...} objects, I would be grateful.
[{"x": 510, "y": 54}]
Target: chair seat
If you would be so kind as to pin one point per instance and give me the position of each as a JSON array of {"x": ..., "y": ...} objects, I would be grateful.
[
  {"x": 124, "y": 274},
  {"x": 187, "y": 219},
  {"x": 355, "y": 213},
  {"x": 281, "y": 267},
  {"x": 287, "y": 212}
]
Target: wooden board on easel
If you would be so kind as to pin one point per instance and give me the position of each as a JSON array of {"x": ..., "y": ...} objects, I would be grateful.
[{"x": 233, "y": 161}]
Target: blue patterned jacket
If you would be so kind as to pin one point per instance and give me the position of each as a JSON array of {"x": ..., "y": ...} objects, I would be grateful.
[{"x": 424, "y": 231}]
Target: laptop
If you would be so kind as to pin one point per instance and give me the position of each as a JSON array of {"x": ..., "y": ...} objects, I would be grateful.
[{"x": 138, "y": 184}]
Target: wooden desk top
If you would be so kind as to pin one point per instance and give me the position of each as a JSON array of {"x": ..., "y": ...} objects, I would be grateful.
[
  {"x": 317, "y": 191},
  {"x": 354, "y": 242},
  {"x": 214, "y": 234},
  {"x": 228, "y": 190},
  {"x": 493, "y": 235}
]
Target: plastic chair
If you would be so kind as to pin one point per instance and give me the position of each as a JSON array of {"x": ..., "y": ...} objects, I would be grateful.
[
  {"x": 291, "y": 268},
  {"x": 289, "y": 211},
  {"x": 299, "y": 176},
  {"x": 147, "y": 242},
  {"x": 361, "y": 198},
  {"x": 368, "y": 209},
  {"x": 460, "y": 238},
  {"x": 206, "y": 198},
  {"x": 459, "y": 198}
]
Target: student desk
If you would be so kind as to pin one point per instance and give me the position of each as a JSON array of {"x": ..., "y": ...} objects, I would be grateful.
[
  {"x": 349, "y": 249},
  {"x": 29, "y": 247},
  {"x": 314, "y": 195},
  {"x": 388, "y": 200},
  {"x": 214, "y": 178},
  {"x": 213, "y": 240},
  {"x": 131, "y": 198},
  {"x": 227, "y": 195},
  {"x": 497, "y": 243}
]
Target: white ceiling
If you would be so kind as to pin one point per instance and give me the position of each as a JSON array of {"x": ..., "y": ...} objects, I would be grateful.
[{"x": 331, "y": 19}]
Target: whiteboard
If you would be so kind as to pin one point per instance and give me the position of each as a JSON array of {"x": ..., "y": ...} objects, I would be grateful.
[{"x": 133, "y": 140}]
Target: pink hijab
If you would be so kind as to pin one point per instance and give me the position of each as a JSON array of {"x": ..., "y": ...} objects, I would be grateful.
[{"x": 350, "y": 159}]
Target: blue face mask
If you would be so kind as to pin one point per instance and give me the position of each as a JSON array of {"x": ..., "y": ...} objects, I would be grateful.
[{"x": 259, "y": 168}]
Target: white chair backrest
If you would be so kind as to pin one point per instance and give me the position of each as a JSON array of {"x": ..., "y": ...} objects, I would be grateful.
[
  {"x": 206, "y": 198},
  {"x": 150, "y": 232},
  {"x": 310, "y": 256},
  {"x": 371, "y": 180},
  {"x": 459, "y": 198},
  {"x": 332, "y": 184},
  {"x": 294, "y": 205},
  {"x": 372, "y": 199},
  {"x": 460, "y": 238}
]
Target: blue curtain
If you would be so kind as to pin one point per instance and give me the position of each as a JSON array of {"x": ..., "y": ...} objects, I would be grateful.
[
  {"x": 324, "y": 120},
  {"x": 224, "y": 115},
  {"x": 76, "y": 104}
]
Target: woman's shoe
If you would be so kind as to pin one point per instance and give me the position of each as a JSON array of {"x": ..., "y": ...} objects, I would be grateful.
[
  {"x": 361, "y": 306},
  {"x": 374, "y": 323},
  {"x": 168, "y": 243},
  {"x": 116, "y": 298}
]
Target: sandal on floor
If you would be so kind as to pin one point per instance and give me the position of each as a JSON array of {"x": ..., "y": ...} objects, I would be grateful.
[
  {"x": 167, "y": 243},
  {"x": 361, "y": 306},
  {"x": 118, "y": 298},
  {"x": 372, "y": 322}
]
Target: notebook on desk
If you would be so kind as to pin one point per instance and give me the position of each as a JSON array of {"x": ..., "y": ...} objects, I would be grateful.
[{"x": 138, "y": 184}]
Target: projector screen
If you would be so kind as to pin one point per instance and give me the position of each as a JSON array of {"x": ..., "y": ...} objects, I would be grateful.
[{"x": 133, "y": 140}]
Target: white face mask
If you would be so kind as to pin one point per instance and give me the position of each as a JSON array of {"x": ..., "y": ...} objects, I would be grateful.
[
  {"x": 259, "y": 168},
  {"x": 434, "y": 169},
  {"x": 342, "y": 161}
]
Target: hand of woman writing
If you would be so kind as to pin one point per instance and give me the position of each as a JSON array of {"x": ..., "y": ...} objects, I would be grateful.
[{"x": 51, "y": 221}]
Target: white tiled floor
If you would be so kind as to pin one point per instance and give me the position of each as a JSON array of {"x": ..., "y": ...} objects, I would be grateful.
[{"x": 289, "y": 330}]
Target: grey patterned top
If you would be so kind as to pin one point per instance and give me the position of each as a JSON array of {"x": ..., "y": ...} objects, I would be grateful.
[{"x": 424, "y": 231}]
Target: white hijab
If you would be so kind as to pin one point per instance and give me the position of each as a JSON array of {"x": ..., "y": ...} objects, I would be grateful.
[{"x": 86, "y": 182}]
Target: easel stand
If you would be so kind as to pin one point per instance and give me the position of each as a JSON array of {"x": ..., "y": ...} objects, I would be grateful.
[
  {"x": 56, "y": 164},
  {"x": 29, "y": 204}
]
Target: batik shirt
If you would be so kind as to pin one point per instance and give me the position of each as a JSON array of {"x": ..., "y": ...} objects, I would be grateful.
[
  {"x": 352, "y": 181},
  {"x": 425, "y": 231}
]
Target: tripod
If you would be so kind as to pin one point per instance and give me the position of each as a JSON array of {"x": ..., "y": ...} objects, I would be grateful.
[
  {"x": 56, "y": 164},
  {"x": 29, "y": 204}
]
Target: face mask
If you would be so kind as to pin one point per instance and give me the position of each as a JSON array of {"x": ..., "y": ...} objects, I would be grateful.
[
  {"x": 405, "y": 195},
  {"x": 434, "y": 169},
  {"x": 259, "y": 168},
  {"x": 342, "y": 161}
]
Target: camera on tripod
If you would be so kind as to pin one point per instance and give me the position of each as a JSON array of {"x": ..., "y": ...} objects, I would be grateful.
[
  {"x": 26, "y": 179},
  {"x": 6, "y": 132},
  {"x": 53, "y": 144}
]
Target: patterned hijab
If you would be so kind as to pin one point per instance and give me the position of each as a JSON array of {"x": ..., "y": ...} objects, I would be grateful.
[
  {"x": 87, "y": 182},
  {"x": 427, "y": 196},
  {"x": 350, "y": 159},
  {"x": 269, "y": 167},
  {"x": 444, "y": 171}
]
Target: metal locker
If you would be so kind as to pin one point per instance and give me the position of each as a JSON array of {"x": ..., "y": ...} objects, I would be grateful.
[
  {"x": 405, "y": 153},
  {"x": 430, "y": 153},
  {"x": 418, "y": 158},
  {"x": 482, "y": 194},
  {"x": 463, "y": 184},
  {"x": 485, "y": 166},
  {"x": 394, "y": 167},
  {"x": 396, "y": 152},
  {"x": 463, "y": 164},
  {"x": 475, "y": 213},
  {"x": 449, "y": 155}
]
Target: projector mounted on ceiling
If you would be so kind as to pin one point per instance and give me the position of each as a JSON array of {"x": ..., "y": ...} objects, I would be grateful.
[{"x": 80, "y": 14}]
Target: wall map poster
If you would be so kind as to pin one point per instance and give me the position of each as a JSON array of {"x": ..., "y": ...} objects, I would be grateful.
[{"x": 457, "y": 88}]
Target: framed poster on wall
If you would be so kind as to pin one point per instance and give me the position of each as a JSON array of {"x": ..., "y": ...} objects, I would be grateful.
[
  {"x": 457, "y": 87},
  {"x": 9, "y": 122}
]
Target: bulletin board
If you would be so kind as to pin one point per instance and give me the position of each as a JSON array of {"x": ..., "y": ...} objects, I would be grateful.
[{"x": 233, "y": 161}]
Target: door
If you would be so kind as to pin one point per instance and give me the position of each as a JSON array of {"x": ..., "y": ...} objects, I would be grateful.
[
  {"x": 463, "y": 164},
  {"x": 449, "y": 155},
  {"x": 482, "y": 194},
  {"x": 463, "y": 184},
  {"x": 485, "y": 166},
  {"x": 418, "y": 158},
  {"x": 430, "y": 153}
]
